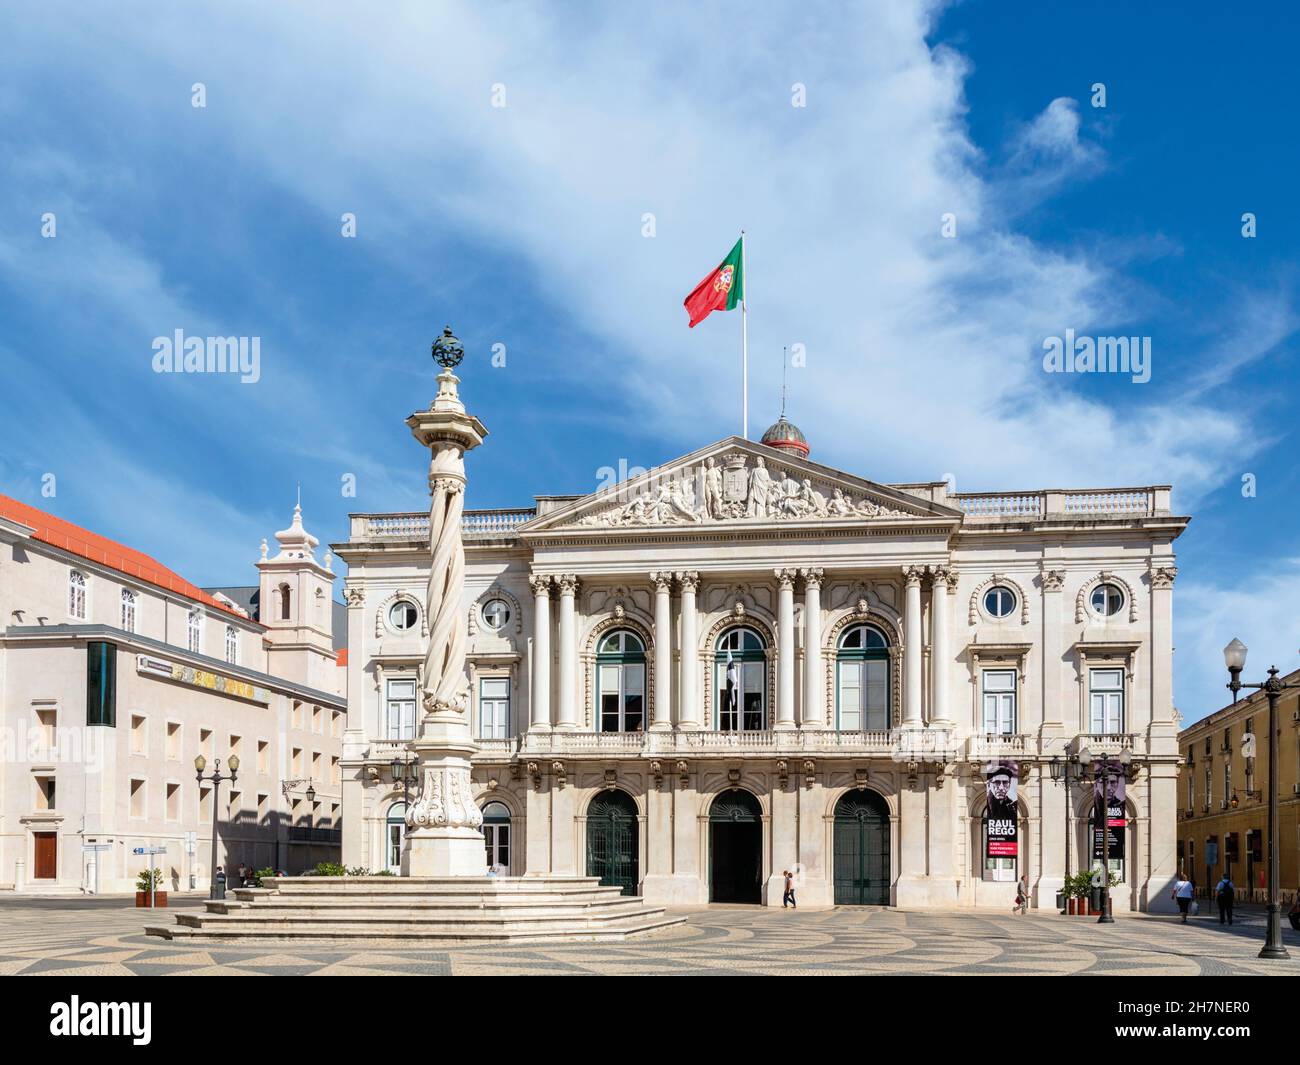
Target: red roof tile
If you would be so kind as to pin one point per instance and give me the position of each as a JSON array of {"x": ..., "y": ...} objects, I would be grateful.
[{"x": 86, "y": 544}]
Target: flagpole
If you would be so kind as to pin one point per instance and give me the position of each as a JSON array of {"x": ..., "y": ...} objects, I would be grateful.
[{"x": 744, "y": 340}]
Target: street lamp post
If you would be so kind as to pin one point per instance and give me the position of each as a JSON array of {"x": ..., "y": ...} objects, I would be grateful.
[
  {"x": 1102, "y": 819},
  {"x": 1061, "y": 767},
  {"x": 1234, "y": 657},
  {"x": 215, "y": 777},
  {"x": 311, "y": 818}
]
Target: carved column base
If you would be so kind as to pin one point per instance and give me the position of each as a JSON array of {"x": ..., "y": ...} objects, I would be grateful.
[{"x": 444, "y": 852}]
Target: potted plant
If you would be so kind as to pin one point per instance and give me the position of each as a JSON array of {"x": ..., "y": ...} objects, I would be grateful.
[{"x": 148, "y": 890}]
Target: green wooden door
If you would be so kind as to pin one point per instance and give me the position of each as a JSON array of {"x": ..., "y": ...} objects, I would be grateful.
[
  {"x": 861, "y": 858},
  {"x": 612, "y": 840}
]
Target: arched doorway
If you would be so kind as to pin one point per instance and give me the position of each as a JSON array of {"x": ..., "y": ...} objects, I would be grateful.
[
  {"x": 861, "y": 852},
  {"x": 612, "y": 840},
  {"x": 496, "y": 836},
  {"x": 394, "y": 836},
  {"x": 735, "y": 848}
]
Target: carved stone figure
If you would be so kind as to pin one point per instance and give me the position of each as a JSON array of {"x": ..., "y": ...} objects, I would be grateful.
[
  {"x": 760, "y": 484},
  {"x": 713, "y": 501}
]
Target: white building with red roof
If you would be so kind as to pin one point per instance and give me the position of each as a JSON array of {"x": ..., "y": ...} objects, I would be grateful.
[{"x": 116, "y": 673}]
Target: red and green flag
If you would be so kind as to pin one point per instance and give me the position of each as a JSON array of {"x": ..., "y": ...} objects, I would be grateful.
[{"x": 721, "y": 290}]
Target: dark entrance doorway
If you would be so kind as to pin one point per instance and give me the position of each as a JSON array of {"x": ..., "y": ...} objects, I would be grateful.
[
  {"x": 861, "y": 850},
  {"x": 612, "y": 840},
  {"x": 735, "y": 848},
  {"x": 46, "y": 866}
]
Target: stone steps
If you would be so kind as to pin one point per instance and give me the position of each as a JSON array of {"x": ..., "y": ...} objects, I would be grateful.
[{"x": 426, "y": 910}]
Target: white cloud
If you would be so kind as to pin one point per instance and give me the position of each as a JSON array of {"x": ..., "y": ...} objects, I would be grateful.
[{"x": 1263, "y": 612}]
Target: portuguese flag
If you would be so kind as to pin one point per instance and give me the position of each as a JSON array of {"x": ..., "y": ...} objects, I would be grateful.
[{"x": 721, "y": 290}]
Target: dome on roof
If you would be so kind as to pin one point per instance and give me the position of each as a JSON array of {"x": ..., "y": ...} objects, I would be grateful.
[{"x": 785, "y": 436}]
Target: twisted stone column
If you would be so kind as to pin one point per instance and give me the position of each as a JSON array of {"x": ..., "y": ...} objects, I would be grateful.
[{"x": 444, "y": 821}]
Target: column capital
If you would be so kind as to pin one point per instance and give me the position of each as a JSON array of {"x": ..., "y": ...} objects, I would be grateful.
[
  {"x": 943, "y": 579},
  {"x": 1163, "y": 576},
  {"x": 354, "y": 595},
  {"x": 688, "y": 580},
  {"x": 786, "y": 577},
  {"x": 912, "y": 575},
  {"x": 662, "y": 580},
  {"x": 812, "y": 576},
  {"x": 1053, "y": 579},
  {"x": 540, "y": 583},
  {"x": 567, "y": 583}
]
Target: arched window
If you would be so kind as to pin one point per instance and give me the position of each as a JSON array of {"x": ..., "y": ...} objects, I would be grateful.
[
  {"x": 740, "y": 680},
  {"x": 128, "y": 610},
  {"x": 496, "y": 836},
  {"x": 620, "y": 682},
  {"x": 395, "y": 827},
  {"x": 862, "y": 680},
  {"x": 284, "y": 602},
  {"x": 194, "y": 631},
  {"x": 77, "y": 594},
  {"x": 232, "y": 645}
]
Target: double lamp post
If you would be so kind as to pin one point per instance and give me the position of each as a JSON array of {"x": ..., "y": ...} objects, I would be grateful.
[{"x": 1234, "y": 657}]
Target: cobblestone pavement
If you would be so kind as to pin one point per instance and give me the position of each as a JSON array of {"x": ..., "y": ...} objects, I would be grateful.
[{"x": 86, "y": 937}]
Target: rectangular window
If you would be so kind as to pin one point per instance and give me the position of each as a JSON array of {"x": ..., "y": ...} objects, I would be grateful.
[
  {"x": 237, "y": 746},
  {"x": 336, "y": 723},
  {"x": 295, "y": 761},
  {"x": 1227, "y": 779},
  {"x": 205, "y": 743},
  {"x": 1191, "y": 791},
  {"x": 232, "y": 645},
  {"x": 205, "y": 805},
  {"x": 128, "y": 610},
  {"x": 1209, "y": 787},
  {"x": 263, "y": 756},
  {"x": 195, "y": 631},
  {"x": 173, "y": 802},
  {"x": 262, "y": 808},
  {"x": 742, "y": 709},
  {"x": 235, "y": 806},
  {"x": 1000, "y": 702},
  {"x": 1106, "y": 690},
  {"x": 335, "y": 775},
  {"x": 139, "y": 738},
  {"x": 137, "y": 798},
  {"x": 101, "y": 683},
  {"x": 77, "y": 595},
  {"x": 399, "y": 720},
  {"x": 47, "y": 722},
  {"x": 494, "y": 708},
  {"x": 295, "y": 718},
  {"x": 45, "y": 793},
  {"x": 316, "y": 719},
  {"x": 315, "y": 765},
  {"x": 851, "y": 678},
  {"x": 174, "y": 740}
]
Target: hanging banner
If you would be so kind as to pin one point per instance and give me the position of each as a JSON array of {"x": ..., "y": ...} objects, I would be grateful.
[
  {"x": 1114, "y": 804},
  {"x": 1000, "y": 782}
]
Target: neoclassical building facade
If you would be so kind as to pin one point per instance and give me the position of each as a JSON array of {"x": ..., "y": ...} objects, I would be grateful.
[{"x": 745, "y": 662}]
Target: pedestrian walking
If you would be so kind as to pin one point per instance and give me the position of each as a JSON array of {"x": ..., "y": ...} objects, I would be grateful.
[
  {"x": 1225, "y": 893},
  {"x": 241, "y": 875},
  {"x": 788, "y": 898},
  {"x": 1182, "y": 894},
  {"x": 1022, "y": 896}
]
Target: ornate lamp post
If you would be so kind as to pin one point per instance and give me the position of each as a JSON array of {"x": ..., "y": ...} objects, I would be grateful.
[
  {"x": 1060, "y": 767},
  {"x": 445, "y": 836},
  {"x": 1101, "y": 816},
  {"x": 1234, "y": 657},
  {"x": 215, "y": 777}
]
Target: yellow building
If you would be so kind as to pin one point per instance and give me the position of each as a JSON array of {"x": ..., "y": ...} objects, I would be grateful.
[{"x": 1222, "y": 801}]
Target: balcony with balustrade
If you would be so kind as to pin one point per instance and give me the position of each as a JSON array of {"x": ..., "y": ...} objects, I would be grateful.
[{"x": 1054, "y": 504}]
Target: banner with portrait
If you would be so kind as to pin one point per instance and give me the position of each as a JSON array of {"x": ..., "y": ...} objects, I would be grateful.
[
  {"x": 1001, "y": 780},
  {"x": 1113, "y": 800}
]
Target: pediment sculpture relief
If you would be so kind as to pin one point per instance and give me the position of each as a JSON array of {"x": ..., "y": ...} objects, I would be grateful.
[{"x": 738, "y": 488}]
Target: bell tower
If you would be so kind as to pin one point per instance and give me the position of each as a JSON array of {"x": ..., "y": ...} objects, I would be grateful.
[{"x": 294, "y": 597}]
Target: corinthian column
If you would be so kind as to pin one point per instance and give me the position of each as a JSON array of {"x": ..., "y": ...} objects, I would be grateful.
[
  {"x": 813, "y": 688},
  {"x": 541, "y": 696},
  {"x": 688, "y": 716},
  {"x": 940, "y": 586},
  {"x": 912, "y": 647},
  {"x": 663, "y": 717},
  {"x": 568, "y": 716},
  {"x": 785, "y": 649},
  {"x": 444, "y": 836}
]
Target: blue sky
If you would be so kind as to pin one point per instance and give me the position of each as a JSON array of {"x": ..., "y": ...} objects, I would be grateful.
[{"x": 523, "y": 225}]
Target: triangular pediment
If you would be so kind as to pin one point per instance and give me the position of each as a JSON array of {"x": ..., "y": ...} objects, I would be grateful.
[{"x": 741, "y": 482}]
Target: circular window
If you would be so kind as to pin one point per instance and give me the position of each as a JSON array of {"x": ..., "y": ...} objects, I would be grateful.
[
  {"x": 1107, "y": 600},
  {"x": 496, "y": 614},
  {"x": 402, "y": 615},
  {"x": 999, "y": 601}
]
